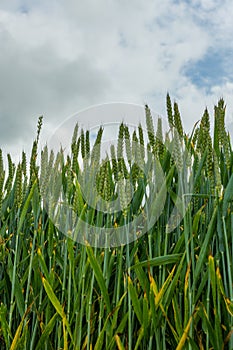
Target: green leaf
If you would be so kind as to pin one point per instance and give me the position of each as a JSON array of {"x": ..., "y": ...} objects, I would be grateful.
[
  {"x": 135, "y": 301},
  {"x": 100, "y": 340},
  {"x": 160, "y": 260},
  {"x": 54, "y": 300},
  {"x": 46, "y": 332},
  {"x": 212, "y": 335},
  {"x": 204, "y": 247},
  {"x": 139, "y": 338},
  {"x": 177, "y": 315},
  {"x": 25, "y": 207},
  {"x": 18, "y": 288},
  {"x": 142, "y": 276},
  {"x": 228, "y": 195},
  {"x": 17, "y": 337},
  {"x": 99, "y": 277},
  {"x": 4, "y": 325}
]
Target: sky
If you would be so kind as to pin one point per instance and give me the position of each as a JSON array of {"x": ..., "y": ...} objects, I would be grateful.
[{"x": 61, "y": 57}]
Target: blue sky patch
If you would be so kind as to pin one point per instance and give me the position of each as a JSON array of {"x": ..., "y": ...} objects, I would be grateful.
[
  {"x": 24, "y": 9},
  {"x": 212, "y": 69}
]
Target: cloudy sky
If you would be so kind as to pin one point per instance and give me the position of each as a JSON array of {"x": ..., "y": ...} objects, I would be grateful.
[{"x": 59, "y": 57}]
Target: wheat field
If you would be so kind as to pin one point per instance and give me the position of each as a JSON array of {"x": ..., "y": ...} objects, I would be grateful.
[{"x": 170, "y": 288}]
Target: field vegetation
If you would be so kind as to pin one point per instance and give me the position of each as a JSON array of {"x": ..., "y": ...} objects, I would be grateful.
[{"x": 170, "y": 288}]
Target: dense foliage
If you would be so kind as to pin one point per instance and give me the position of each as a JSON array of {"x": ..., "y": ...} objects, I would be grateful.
[{"x": 170, "y": 289}]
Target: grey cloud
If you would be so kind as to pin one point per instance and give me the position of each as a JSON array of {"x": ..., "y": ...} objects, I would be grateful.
[{"x": 40, "y": 82}]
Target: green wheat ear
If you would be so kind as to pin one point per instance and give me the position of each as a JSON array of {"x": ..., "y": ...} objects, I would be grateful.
[
  {"x": 87, "y": 144},
  {"x": 75, "y": 166},
  {"x": 120, "y": 142},
  {"x": 18, "y": 183},
  {"x": 114, "y": 162},
  {"x": 1, "y": 193},
  {"x": 205, "y": 121},
  {"x": 43, "y": 170},
  {"x": 134, "y": 143},
  {"x": 69, "y": 179},
  {"x": 2, "y": 178},
  {"x": 1, "y": 163},
  {"x": 95, "y": 154},
  {"x": 223, "y": 136},
  {"x": 150, "y": 128},
  {"x": 104, "y": 182},
  {"x": 24, "y": 164},
  {"x": 210, "y": 170},
  {"x": 219, "y": 121},
  {"x": 127, "y": 143},
  {"x": 39, "y": 126},
  {"x": 123, "y": 168},
  {"x": 83, "y": 148},
  {"x": 227, "y": 150},
  {"x": 78, "y": 202},
  {"x": 159, "y": 143},
  {"x": 138, "y": 160},
  {"x": 75, "y": 149},
  {"x": 176, "y": 151},
  {"x": 169, "y": 111},
  {"x": 217, "y": 175},
  {"x": 135, "y": 170},
  {"x": 100, "y": 178},
  {"x": 204, "y": 131},
  {"x": 122, "y": 193},
  {"x": 11, "y": 170},
  {"x": 75, "y": 135},
  {"x": 195, "y": 137},
  {"x": 177, "y": 120},
  {"x": 141, "y": 140}
]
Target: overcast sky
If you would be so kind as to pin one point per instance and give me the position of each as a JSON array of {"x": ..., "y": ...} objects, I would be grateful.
[{"x": 59, "y": 57}]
